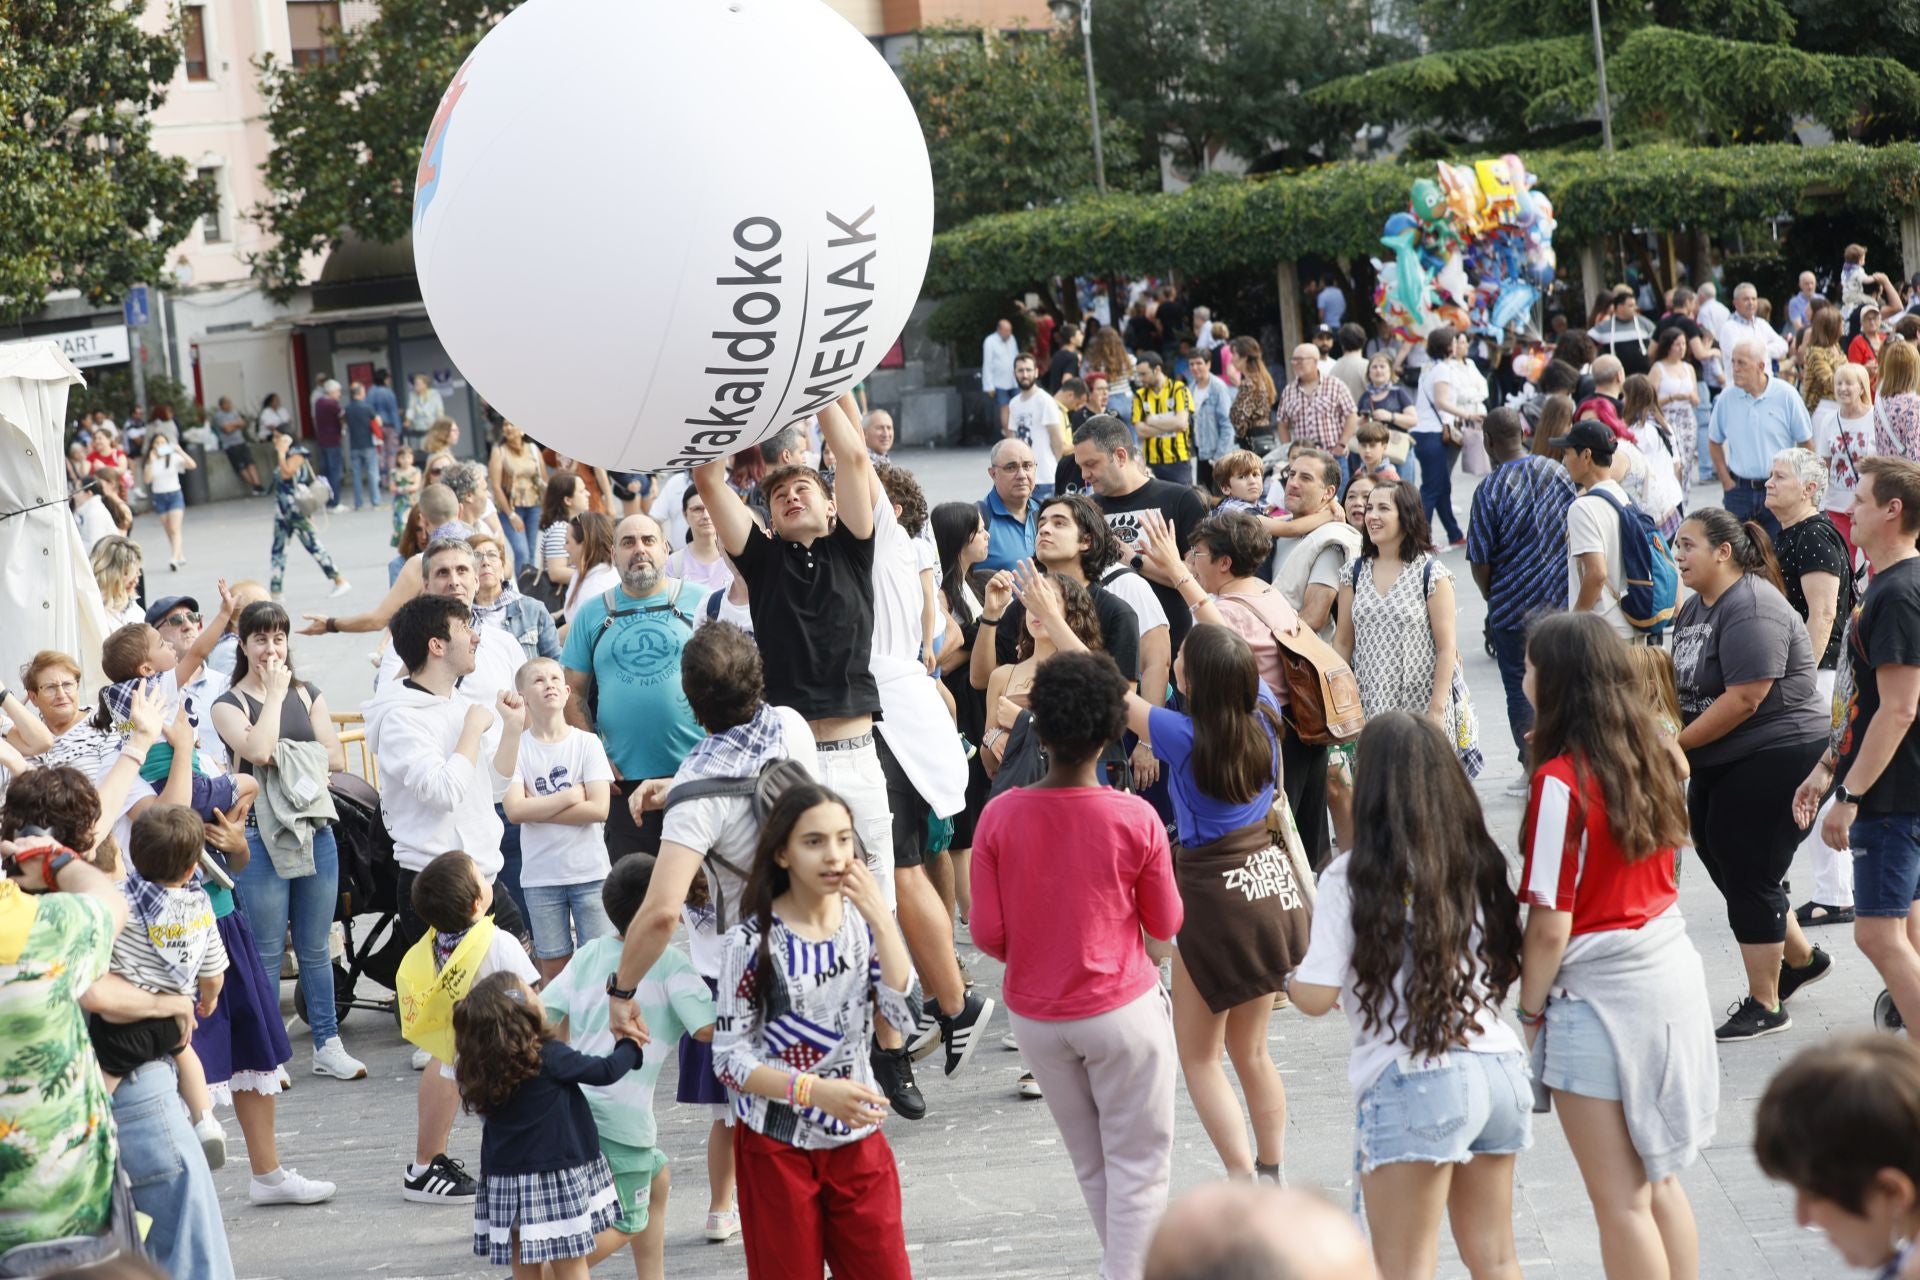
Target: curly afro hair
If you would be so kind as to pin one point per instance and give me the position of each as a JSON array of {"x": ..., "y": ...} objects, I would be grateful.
[{"x": 1079, "y": 705}]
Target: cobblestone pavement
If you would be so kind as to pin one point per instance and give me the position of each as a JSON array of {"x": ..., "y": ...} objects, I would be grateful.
[{"x": 988, "y": 1187}]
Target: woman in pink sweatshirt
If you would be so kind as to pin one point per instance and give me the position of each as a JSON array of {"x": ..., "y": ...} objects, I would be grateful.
[{"x": 1067, "y": 876}]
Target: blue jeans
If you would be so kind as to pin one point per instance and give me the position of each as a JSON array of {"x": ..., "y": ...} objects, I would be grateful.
[
  {"x": 366, "y": 466},
  {"x": 509, "y": 877},
  {"x": 524, "y": 541},
  {"x": 333, "y": 461},
  {"x": 1510, "y": 652},
  {"x": 168, "y": 1171},
  {"x": 308, "y": 903},
  {"x": 1886, "y": 864},
  {"x": 1749, "y": 503},
  {"x": 1173, "y": 472},
  {"x": 1473, "y": 1104},
  {"x": 559, "y": 914},
  {"x": 1436, "y": 481}
]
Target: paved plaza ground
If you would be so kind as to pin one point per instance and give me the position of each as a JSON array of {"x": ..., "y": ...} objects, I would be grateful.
[{"x": 989, "y": 1190}]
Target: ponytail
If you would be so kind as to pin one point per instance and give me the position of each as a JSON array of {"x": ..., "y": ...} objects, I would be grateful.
[{"x": 1749, "y": 541}]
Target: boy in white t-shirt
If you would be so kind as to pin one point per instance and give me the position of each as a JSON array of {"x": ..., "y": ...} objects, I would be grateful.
[{"x": 558, "y": 785}]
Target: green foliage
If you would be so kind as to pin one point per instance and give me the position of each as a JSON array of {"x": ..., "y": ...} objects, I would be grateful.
[
  {"x": 1339, "y": 210},
  {"x": 111, "y": 388},
  {"x": 962, "y": 320},
  {"x": 89, "y": 204},
  {"x": 1007, "y": 126},
  {"x": 347, "y": 133},
  {"x": 1500, "y": 91},
  {"x": 1198, "y": 75}
]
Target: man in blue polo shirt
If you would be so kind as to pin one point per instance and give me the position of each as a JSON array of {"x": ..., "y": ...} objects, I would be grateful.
[
  {"x": 1753, "y": 419},
  {"x": 1010, "y": 508}
]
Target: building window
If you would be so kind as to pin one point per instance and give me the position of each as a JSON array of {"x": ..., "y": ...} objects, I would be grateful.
[
  {"x": 193, "y": 32},
  {"x": 314, "y": 25},
  {"x": 212, "y": 228}
]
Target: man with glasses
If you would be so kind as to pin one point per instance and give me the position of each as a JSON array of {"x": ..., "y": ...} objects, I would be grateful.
[
  {"x": 179, "y": 622},
  {"x": 1318, "y": 410},
  {"x": 1010, "y": 508}
]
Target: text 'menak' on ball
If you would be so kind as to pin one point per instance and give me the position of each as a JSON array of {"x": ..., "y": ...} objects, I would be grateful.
[{"x": 653, "y": 234}]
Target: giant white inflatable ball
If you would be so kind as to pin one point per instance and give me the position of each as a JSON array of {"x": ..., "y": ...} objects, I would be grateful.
[{"x": 653, "y": 234}]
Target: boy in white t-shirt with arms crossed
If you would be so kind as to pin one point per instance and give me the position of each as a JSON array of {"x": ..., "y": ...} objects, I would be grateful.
[{"x": 559, "y": 781}]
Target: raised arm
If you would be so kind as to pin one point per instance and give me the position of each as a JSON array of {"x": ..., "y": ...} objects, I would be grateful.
[
  {"x": 405, "y": 587},
  {"x": 731, "y": 519},
  {"x": 853, "y": 476}
]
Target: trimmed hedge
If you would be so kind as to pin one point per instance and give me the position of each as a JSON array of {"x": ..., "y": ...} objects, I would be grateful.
[{"x": 1339, "y": 210}]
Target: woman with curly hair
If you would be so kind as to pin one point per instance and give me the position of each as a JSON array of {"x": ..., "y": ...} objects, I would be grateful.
[
  {"x": 1108, "y": 357},
  {"x": 1613, "y": 996},
  {"x": 1417, "y": 935}
]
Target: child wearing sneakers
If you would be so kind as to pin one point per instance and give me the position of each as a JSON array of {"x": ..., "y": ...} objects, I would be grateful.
[
  {"x": 559, "y": 781},
  {"x": 673, "y": 1000},
  {"x": 170, "y": 946},
  {"x": 461, "y": 946}
]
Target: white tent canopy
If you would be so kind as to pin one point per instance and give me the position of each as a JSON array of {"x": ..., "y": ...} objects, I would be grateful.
[{"x": 48, "y": 598}]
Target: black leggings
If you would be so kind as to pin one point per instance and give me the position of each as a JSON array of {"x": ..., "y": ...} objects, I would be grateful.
[{"x": 1741, "y": 813}]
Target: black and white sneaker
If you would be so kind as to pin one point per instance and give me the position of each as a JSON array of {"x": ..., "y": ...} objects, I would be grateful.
[
  {"x": 893, "y": 1073},
  {"x": 962, "y": 1032},
  {"x": 1749, "y": 1020},
  {"x": 925, "y": 1037},
  {"x": 444, "y": 1181},
  {"x": 1792, "y": 979}
]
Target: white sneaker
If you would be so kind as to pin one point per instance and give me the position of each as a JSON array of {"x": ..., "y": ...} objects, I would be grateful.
[
  {"x": 722, "y": 1227},
  {"x": 1518, "y": 788},
  {"x": 332, "y": 1059},
  {"x": 213, "y": 1139},
  {"x": 1008, "y": 1042},
  {"x": 420, "y": 1059},
  {"x": 340, "y": 588},
  {"x": 286, "y": 1081},
  {"x": 291, "y": 1189}
]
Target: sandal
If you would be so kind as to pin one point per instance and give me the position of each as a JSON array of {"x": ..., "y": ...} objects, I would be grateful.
[{"x": 1810, "y": 914}]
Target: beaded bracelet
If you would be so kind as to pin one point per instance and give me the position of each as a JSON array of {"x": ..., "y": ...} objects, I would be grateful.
[{"x": 1530, "y": 1019}]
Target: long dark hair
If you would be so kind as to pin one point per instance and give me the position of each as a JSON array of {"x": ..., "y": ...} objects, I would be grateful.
[
  {"x": 593, "y": 530},
  {"x": 1425, "y": 874},
  {"x": 1232, "y": 753},
  {"x": 1416, "y": 535},
  {"x": 1591, "y": 706},
  {"x": 553, "y": 503},
  {"x": 498, "y": 1033},
  {"x": 954, "y": 524},
  {"x": 1748, "y": 539},
  {"x": 769, "y": 879},
  {"x": 261, "y": 615}
]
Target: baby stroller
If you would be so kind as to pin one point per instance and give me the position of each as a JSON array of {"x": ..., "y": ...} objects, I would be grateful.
[{"x": 369, "y": 885}]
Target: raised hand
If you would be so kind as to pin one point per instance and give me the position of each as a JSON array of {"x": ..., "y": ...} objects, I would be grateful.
[{"x": 999, "y": 593}]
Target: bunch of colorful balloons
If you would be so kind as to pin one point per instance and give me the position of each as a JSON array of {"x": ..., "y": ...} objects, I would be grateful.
[{"x": 1474, "y": 251}]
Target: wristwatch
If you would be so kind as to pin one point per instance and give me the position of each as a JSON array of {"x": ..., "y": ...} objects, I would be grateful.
[
  {"x": 55, "y": 865},
  {"x": 616, "y": 991},
  {"x": 1843, "y": 796}
]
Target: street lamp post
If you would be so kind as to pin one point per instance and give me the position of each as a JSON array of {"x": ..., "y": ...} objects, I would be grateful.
[
  {"x": 1063, "y": 16},
  {"x": 1600, "y": 71}
]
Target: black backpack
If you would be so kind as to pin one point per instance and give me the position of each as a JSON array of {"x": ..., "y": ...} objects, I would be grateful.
[{"x": 763, "y": 788}]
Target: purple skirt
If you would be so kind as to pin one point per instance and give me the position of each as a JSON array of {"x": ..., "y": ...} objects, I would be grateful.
[
  {"x": 697, "y": 1081},
  {"x": 243, "y": 1036}
]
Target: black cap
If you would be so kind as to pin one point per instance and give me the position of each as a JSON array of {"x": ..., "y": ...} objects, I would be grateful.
[
  {"x": 167, "y": 604},
  {"x": 1589, "y": 435}
]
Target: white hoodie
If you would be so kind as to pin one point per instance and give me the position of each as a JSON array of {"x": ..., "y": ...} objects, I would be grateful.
[{"x": 431, "y": 798}]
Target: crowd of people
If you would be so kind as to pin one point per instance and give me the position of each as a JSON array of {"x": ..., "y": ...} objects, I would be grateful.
[{"x": 727, "y": 767}]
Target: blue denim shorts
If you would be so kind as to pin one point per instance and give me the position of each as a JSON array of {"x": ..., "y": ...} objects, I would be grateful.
[
  {"x": 1580, "y": 1056},
  {"x": 165, "y": 502},
  {"x": 1886, "y": 864},
  {"x": 558, "y": 913},
  {"x": 1475, "y": 1104}
]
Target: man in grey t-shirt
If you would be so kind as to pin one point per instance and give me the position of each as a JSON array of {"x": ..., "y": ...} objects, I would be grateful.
[{"x": 231, "y": 430}]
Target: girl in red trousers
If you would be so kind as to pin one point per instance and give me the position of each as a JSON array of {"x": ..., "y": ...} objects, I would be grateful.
[{"x": 815, "y": 949}]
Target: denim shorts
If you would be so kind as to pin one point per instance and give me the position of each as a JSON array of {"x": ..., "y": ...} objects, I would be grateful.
[
  {"x": 1475, "y": 1104},
  {"x": 1579, "y": 1056},
  {"x": 559, "y": 913},
  {"x": 1886, "y": 864},
  {"x": 165, "y": 502}
]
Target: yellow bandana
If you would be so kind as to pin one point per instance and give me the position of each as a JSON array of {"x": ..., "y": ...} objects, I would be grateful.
[
  {"x": 18, "y": 910},
  {"x": 427, "y": 998}
]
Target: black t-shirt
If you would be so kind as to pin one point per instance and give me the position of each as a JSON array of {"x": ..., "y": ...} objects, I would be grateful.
[
  {"x": 296, "y": 719},
  {"x": 1183, "y": 508},
  {"x": 1685, "y": 326},
  {"x": 1142, "y": 335},
  {"x": 1066, "y": 472},
  {"x": 1119, "y": 632},
  {"x": 1065, "y": 364},
  {"x": 812, "y": 612},
  {"x": 1887, "y": 633},
  {"x": 1176, "y": 319},
  {"x": 1815, "y": 546}
]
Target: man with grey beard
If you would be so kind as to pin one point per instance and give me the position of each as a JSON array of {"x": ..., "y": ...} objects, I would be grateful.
[{"x": 622, "y": 655}]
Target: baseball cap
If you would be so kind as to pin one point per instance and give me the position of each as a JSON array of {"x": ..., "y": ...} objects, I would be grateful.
[
  {"x": 1325, "y": 328},
  {"x": 1869, "y": 305},
  {"x": 167, "y": 604},
  {"x": 1590, "y": 435}
]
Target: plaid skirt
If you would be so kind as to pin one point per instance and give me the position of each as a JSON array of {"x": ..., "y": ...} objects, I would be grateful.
[{"x": 555, "y": 1213}]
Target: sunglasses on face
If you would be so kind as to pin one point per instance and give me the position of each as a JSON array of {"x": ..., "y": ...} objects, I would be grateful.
[{"x": 179, "y": 619}]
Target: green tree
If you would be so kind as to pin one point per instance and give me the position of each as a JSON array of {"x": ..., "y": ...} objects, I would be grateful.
[
  {"x": 90, "y": 205},
  {"x": 1197, "y": 75},
  {"x": 1006, "y": 123},
  {"x": 347, "y": 132}
]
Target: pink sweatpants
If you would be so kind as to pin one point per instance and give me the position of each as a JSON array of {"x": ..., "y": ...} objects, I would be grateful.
[{"x": 1109, "y": 1082}]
